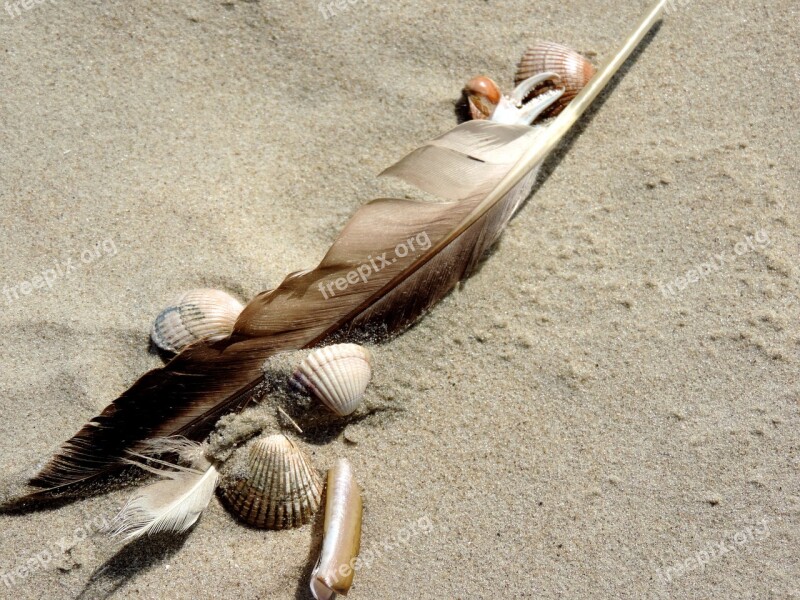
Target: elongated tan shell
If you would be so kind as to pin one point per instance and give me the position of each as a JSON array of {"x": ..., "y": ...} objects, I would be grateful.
[
  {"x": 338, "y": 375},
  {"x": 195, "y": 315},
  {"x": 574, "y": 69},
  {"x": 341, "y": 540},
  {"x": 280, "y": 490}
]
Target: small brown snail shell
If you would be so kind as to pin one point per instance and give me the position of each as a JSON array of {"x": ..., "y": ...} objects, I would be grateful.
[
  {"x": 574, "y": 69},
  {"x": 482, "y": 96}
]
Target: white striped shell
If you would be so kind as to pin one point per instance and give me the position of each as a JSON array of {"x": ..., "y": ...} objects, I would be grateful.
[
  {"x": 280, "y": 488},
  {"x": 338, "y": 375},
  {"x": 195, "y": 315}
]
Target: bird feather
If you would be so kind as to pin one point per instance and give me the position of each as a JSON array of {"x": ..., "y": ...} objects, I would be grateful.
[
  {"x": 483, "y": 170},
  {"x": 171, "y": 505}
]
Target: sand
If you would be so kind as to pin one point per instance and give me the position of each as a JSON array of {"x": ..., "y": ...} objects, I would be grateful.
[{"x": 607, "y": 409}]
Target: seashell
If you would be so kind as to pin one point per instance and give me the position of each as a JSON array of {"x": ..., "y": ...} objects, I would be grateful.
[
  {"x": 574, "y": 70},
  {"x": 481, "y": 99},
  {"x": 341, "y": 542},
  {"x": 338, "y": 375},
  {"x": 196, "y": 314},
  {"x": 482, "y": 96},
  {"x": 280, "y": 490}
]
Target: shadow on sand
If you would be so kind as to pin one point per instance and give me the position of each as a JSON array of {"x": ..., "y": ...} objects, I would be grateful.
[{"x": 136, "y": 557}]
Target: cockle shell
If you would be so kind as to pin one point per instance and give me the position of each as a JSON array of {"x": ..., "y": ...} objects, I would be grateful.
[
  {"x": 338, "y": 375},
  {"x": 280, "y": 488},
  {"x": 195, "y": 315},
  {"x": 574, "y": 69}
]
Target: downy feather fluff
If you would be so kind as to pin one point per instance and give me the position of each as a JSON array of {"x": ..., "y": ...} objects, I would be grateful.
[{"x": 173, "y": 504}]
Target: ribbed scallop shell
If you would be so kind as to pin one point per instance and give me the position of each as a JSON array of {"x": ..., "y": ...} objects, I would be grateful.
[
  {"x": 338, "y": 375},
  {"x": 280, "y": 489},
  {"x": 194, "y": 315},
  {"x": 574, "y": 69}
]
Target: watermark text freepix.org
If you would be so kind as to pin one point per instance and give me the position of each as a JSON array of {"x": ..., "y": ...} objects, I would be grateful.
[
  {"x": 730, "y": 543},
  {"x": 15, "y": 8},
  {"x": 372, "y": 554},
  {"x": 673, "y": 5},
  {"x": 714, "y": 264},
  {"x": 42, "y": 559},
  {"x": 364, "y": 271},
  {"x": 331, "y": 8},
  {"x": 60, "y": 269}
]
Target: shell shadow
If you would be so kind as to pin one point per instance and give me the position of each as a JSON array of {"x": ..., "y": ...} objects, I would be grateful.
[
  {"x": 132, "y": 559},
  {"x": 154, "y": 350},
  {"x": 303, "y": 590},
  {"x": 320, "y": 426}
]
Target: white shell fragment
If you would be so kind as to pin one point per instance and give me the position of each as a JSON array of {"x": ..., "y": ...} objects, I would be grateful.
[
  {"x": 338, "y": 375},
  {"x": 280, "y": 489},
  {"x": 196, "y": 314}
]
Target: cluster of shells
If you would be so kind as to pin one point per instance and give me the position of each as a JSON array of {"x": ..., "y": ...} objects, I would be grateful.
[
  {"x": 277, "y": 486},
  {"x": 481, "y": 94},
  {"x": 337, "y": 375}
]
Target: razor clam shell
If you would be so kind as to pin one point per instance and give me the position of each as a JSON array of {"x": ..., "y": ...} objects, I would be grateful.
[
  {"x": 194, "y": 315},
  {"x": 574, "y": 69},
  {"x": 338, "y": 375},
  {"x": 280, "y": 489},
  {"x": 341, "y": 543}
]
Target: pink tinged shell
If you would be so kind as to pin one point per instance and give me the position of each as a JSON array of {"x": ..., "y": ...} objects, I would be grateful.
[
  {"x": 337, "y": 375},
  {"x": 574, "y": 69},
  {"x": 280, "y": 488},
  {"x": 195, "y": 315}
]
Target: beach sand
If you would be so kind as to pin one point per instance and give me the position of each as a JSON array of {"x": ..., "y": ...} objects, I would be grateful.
[{"x": 607, "y": 409}]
